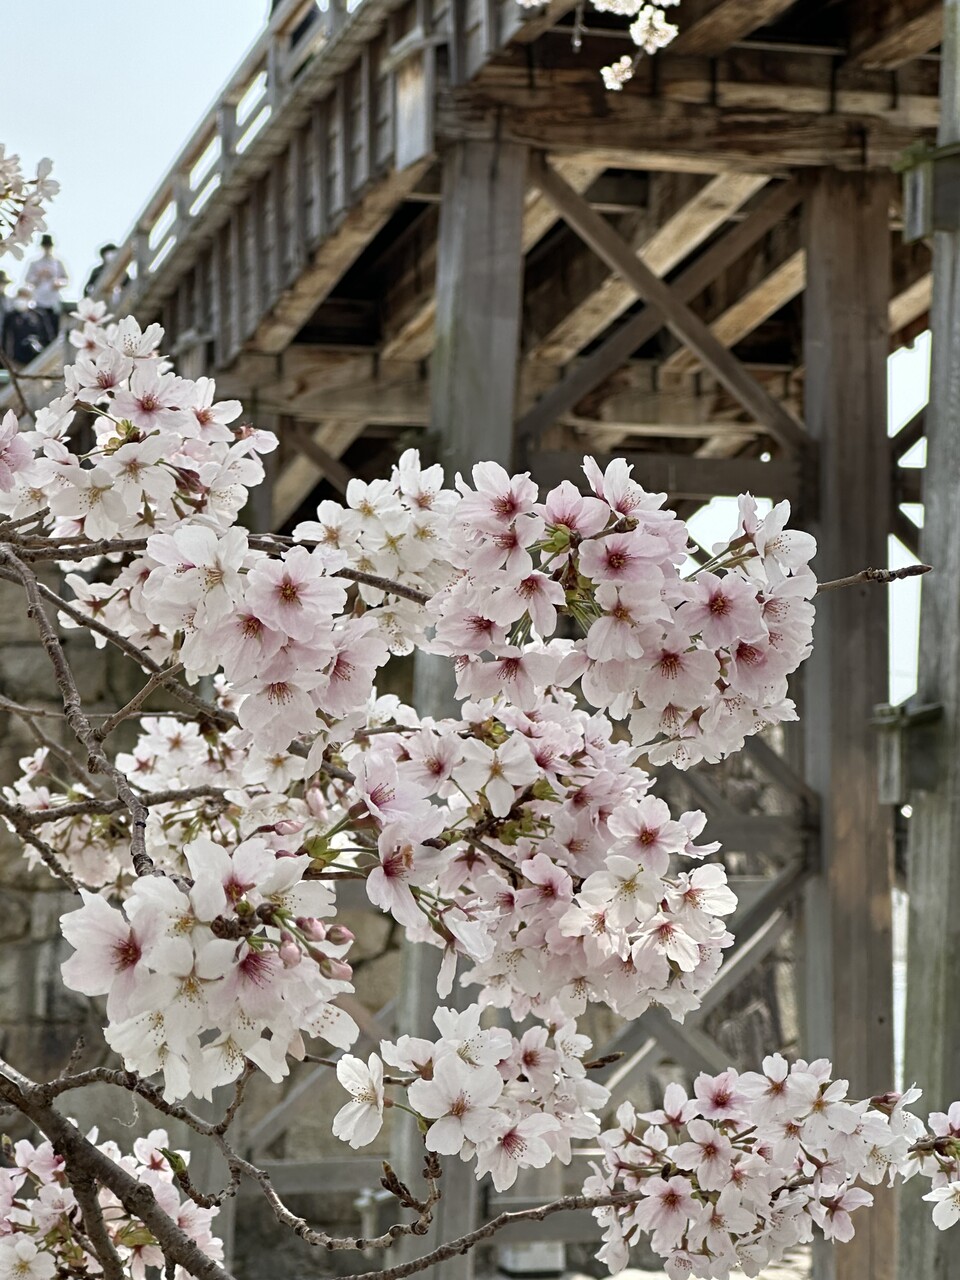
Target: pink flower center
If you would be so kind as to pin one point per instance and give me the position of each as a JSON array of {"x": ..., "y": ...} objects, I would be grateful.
[{"x": 127, "y": 953}]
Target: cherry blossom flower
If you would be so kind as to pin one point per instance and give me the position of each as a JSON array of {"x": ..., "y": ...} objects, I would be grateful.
[
  {"x": 459, "y": 1100},
  {"x": 15, "y": 454},
  {"x": 512, "y": 1144},
  {"x": 359, "y": 1121}
]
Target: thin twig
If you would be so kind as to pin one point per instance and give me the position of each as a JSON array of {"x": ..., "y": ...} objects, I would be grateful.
[
  {"x": 79, "y": 808},
  {"x": 875, "y": 575},
  {"x": 15, "y": 816},
  {"x": 98, "y": 761},
  {"x": 158, "y": 679},
  {"x": 472, "y": 1238}
]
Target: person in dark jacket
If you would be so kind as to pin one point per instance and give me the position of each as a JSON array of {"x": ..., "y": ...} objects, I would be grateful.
[{"x": 25, "y": 330}]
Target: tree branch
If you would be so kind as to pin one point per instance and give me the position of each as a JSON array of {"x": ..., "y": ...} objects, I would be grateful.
[
  {"x": 98, "y": 761},
  {"x": 85, "y": 1189},
  {"x": 156, "y": 680},
  {"x": 136, "y": 1197},
  {"x": 875, "y": 575}
]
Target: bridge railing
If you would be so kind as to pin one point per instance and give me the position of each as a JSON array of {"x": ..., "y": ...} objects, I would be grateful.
[{"x": 297, "y": 32}]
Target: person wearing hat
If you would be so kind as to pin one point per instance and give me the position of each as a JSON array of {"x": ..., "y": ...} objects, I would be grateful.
[
  {"x": 107, "y": 254},
  {"x": 47, "y": 276}
]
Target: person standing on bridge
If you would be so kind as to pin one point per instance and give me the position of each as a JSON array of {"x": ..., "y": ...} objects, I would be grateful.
[{"x": 47, "y": 276}]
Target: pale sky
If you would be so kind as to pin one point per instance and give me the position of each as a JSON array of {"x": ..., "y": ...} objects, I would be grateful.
[{"x": 110, "y": 90}]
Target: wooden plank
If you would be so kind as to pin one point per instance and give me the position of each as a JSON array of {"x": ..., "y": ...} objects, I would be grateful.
[
  {"x": 689, "y": 328},
  {"x": 682, "y": 475},
  {"x": 617, "y": 349},
  {"x": 888, "y": 33},
  {"x": 849, "y": 1006},
  {"x": 674, "y": 237},
  {"x": 912, "y": 303},
  {"x": 711, "y": 26},
  {"x": 749, "y": 311}
]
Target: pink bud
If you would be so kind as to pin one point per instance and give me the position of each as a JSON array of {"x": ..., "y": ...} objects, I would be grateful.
[
  {"x": 312, "y": 927},
  {"x": 338, "y": 934},
  {"x": 337, "y": 969},
  {"x": 287, "y": 827},
  {"x": 290, "y": 955}
]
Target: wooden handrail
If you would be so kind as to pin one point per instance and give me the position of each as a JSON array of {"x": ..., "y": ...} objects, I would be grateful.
[{"x": 272, "y": 56}]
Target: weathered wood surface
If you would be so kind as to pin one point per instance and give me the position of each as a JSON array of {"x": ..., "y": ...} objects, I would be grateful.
[
  {"x": 933, "y": 1011},
  {"x": 849, "y": 961},
  {"x": 711, "y": 26},
  {"x": 685, "y": 324},
  {"x": 888, "y": 33}
]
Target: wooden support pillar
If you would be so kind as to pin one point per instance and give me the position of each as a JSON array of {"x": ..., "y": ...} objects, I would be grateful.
[
  {"x": 848, "y": 916},
  {"x": 474, "y": 370},
  {"x": 479, "y": 280},
  {"x": 932, "y": 1055}
]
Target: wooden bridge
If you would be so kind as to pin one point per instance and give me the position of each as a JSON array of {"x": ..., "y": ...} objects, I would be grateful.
[{"x": 427, "y": 222}]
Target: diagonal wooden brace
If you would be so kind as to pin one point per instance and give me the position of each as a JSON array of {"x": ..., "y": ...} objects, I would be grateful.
[
  {"x": 584, "y": 376},
  {"x": 688, "y": 327}
]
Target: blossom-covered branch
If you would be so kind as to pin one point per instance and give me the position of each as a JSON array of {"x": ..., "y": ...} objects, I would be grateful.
[{"x": 519, "y": 835}]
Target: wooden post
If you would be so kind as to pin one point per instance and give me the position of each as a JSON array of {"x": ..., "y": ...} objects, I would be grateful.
[
  {"x": 848, "y": 932},
  {"x": 479, "y": 279},
  {"x": 479, "y": 275},
  {"x": 933, "y": 959}
]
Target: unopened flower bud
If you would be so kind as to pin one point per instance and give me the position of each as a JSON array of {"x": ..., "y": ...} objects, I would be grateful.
[
  {"x": 290, "y": 953},
  {"x": 338, "y": 934},
  {"x": 314, "y": 929},
  {"x": 337, "y": 969},
  {"x": 287, "y": 827}
]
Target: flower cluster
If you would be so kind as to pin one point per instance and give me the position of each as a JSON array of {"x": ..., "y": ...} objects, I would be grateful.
[
  {"x": 753, "y": 1162},
  {"x": 22, "y": 202},
  {"x": 650, "y": 31},
  {"x": 194, "y": 977},
  {"x": 42, "y": 1229},
  {"x": 481, "y": 1093}
]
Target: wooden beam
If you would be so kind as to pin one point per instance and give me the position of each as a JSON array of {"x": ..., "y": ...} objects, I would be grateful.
[
  {"x": 911, "y": 304},
  {"x": 749, "y": 311},
  {"x": 688, "y": 327},
  {"x": 330, "y": 467},
  {"x": 558, "y": 112},
  {"x": 849, "y": 961},
  {"x": 710, "y": 26},
  {"x": 661, "y": 249},
  {"x": 565, "y": 286},
  {"x": 682, "y": 475},
  {"x": 617, "y": 349},
  {"x": 302, "y": 475},
  {"x": 888, "y": 33}
]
